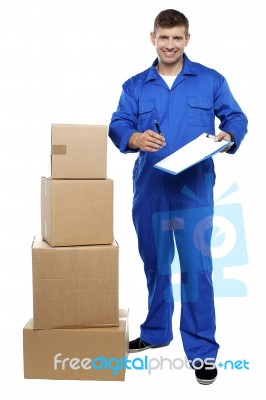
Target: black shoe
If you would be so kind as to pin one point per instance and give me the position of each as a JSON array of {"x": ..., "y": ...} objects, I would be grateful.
[
  {"x": 206, "y": 374},
  {"x": 139, "y": 345}
]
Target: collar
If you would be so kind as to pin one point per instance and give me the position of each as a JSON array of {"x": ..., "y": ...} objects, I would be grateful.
[{"x": 188, "y": 69}]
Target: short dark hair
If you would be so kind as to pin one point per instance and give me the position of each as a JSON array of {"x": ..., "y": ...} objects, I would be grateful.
[{"x": 171, "y": 18}]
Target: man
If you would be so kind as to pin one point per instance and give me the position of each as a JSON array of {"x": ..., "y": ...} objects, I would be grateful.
[{"x": 184, "y": 97}]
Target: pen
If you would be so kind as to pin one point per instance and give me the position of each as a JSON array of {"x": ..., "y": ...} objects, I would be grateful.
[
  {"x": 213, "y": 136},
  {"x": 158, "y": 127}
]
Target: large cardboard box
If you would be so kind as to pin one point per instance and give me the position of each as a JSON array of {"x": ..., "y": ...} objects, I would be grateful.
[
  {"x": 78, "y": 151},
  {"x": 74, "y": 286},
  {"x": 85, "y": 354},
  {"x": 77, "y": 212}
]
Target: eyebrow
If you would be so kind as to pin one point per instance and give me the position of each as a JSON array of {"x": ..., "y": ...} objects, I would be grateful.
[{"x": 175, "y": 37}]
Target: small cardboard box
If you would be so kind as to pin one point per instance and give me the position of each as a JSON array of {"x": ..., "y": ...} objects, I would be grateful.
[
  {"x": 78, "y": 151},
  {"x": 82, "y": 354},
  {"x": 74, "y": 286},
  {"x": 77, "y": 212}
]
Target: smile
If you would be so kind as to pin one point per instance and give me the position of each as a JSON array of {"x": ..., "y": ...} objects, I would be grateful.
[{"x": 169, "y": 53}]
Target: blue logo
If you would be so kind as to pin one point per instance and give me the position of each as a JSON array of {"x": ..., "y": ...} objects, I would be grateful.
[
  {"x": 215, "y": 235},
  {"x": 230, "y": 365}
]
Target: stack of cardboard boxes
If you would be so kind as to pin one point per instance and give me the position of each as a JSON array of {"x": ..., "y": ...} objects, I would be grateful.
[{"x": 77, "y": 330}]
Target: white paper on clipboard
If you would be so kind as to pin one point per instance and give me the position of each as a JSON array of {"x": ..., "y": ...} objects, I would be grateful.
[{"x": 199, "y": 149}]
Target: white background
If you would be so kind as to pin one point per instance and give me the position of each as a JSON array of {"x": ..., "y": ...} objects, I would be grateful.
[{"x": 64, "y": 61}]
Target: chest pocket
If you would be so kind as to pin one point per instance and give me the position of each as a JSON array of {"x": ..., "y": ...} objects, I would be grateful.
[
  {"x": 200, "y": 111},
  {"x": 146, "y": 106},
  {"x": 146, "y": 115}
]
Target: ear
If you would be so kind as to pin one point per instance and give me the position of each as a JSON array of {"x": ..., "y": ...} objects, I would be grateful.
[
  {"x": 187, "y": 39},
  {"x": 152, "y": 36}
]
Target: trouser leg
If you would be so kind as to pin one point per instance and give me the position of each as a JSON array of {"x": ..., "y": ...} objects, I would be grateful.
[
  {"x": 197, "y": 324},
  {"x": 156, "y": 248}
]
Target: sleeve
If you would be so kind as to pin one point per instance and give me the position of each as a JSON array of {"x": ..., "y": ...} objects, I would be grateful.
[
  {"x": 124, "y": 121},
  {"x": 232, "y": 119}
]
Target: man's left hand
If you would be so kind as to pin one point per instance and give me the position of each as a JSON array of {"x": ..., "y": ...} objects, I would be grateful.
[{"x": 226, "y": 136}]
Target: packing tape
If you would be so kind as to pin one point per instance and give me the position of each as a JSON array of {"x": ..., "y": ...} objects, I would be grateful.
[{"x": 59, "y": 149}]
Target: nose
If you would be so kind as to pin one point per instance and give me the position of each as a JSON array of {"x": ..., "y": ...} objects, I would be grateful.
[{"x": 170, "y": 44}]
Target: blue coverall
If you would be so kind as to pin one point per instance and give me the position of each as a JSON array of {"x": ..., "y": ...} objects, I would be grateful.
[{"x": 168, "y": 208}]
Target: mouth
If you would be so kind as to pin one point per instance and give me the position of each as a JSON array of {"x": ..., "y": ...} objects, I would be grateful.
[{"x": 169, "y": 53}]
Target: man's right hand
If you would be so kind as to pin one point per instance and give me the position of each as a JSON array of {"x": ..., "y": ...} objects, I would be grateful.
[{"x": 146, "y": 141}]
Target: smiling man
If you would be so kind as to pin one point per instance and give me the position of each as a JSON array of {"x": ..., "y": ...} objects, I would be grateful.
[
  {"x": 160, "y": 110},
  {"x": 170, "y": 44}
]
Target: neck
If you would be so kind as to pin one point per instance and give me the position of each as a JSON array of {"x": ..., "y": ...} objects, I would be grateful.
[{"x": 169, "y": 70}]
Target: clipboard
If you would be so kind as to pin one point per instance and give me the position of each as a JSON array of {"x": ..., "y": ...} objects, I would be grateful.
[{"x": 193, "y": 152}]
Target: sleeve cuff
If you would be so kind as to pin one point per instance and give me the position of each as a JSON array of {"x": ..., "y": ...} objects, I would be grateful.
[{"x": 123, "y": 147}]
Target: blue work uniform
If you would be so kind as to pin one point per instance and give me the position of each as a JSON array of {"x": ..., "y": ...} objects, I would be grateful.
[{"x": 176, "y": 210}]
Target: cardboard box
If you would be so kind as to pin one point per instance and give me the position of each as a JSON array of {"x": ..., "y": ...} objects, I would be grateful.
[
  {"x": 74, "y": 286},
  {"x": 78, "y": 151},
  {"x": 77, "y": 212},
  {"x": 82, "y": 354}
]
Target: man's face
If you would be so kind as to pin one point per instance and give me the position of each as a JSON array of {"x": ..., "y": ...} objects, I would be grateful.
[{"x": 170, "y": 43}]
